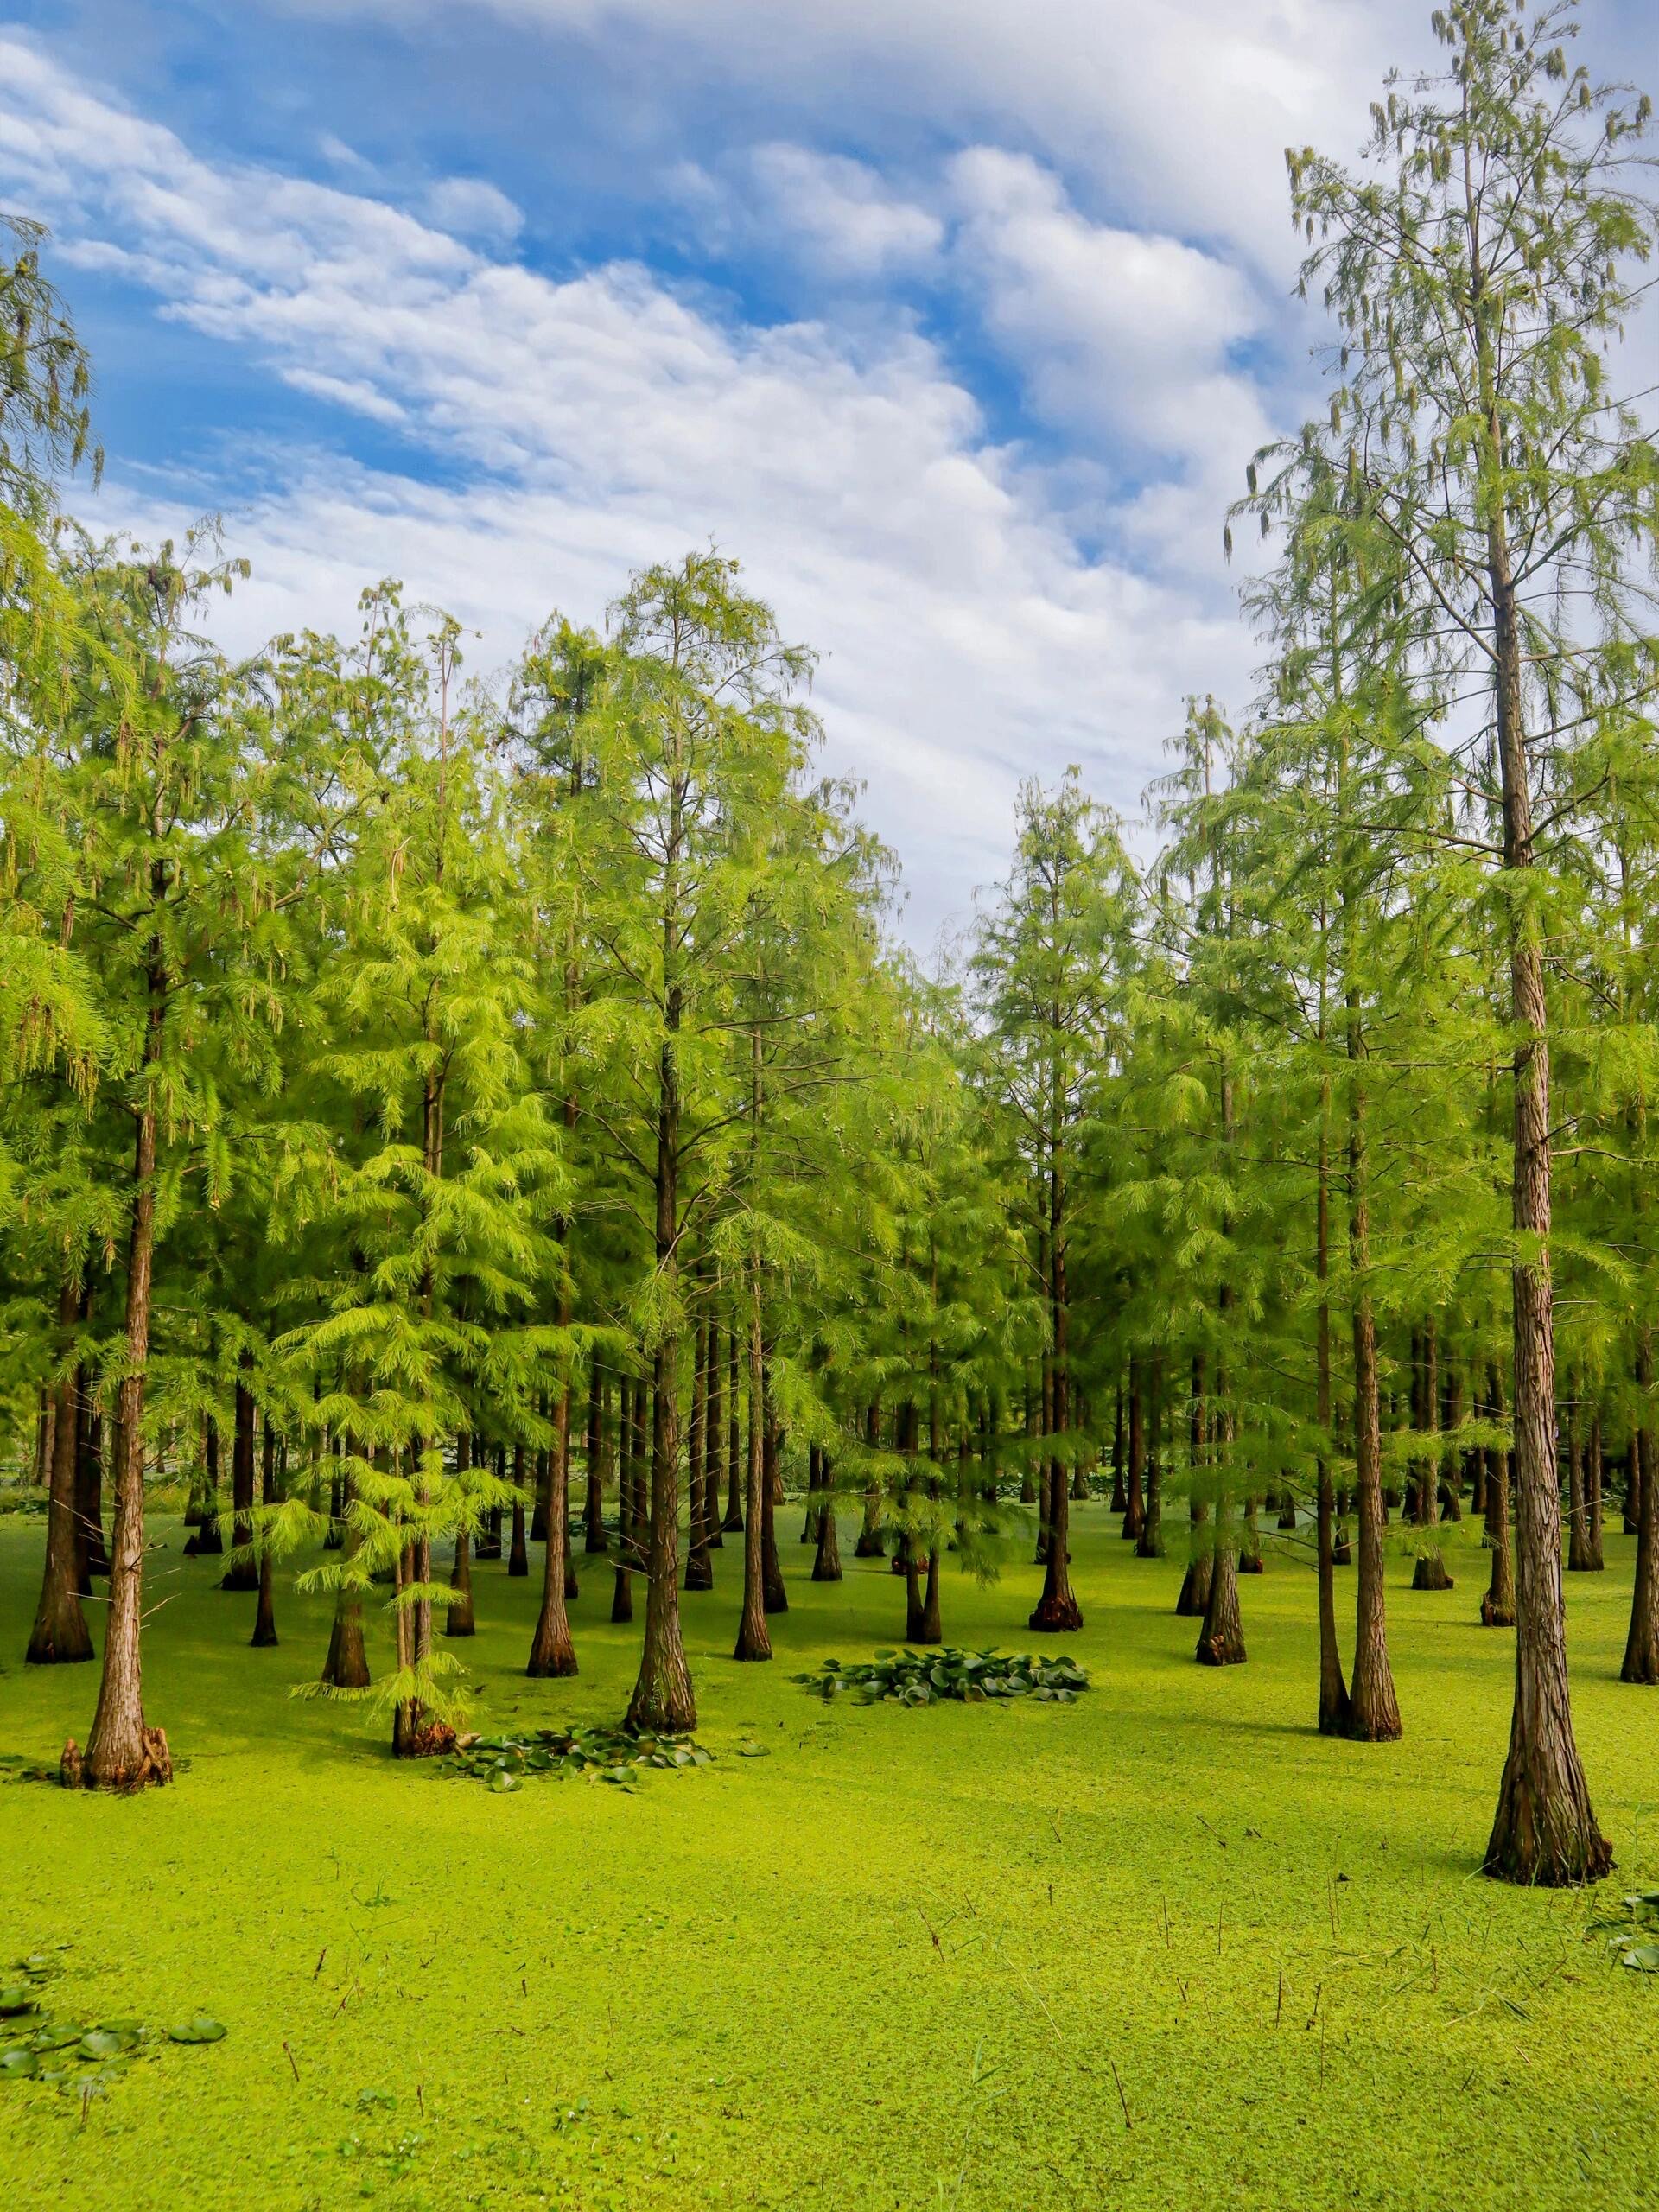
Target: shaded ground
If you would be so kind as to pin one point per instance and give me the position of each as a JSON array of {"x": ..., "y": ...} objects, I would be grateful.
[{"x": 910, "y": 1959}]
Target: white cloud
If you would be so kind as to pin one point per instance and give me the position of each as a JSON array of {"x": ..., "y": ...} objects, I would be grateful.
[
  {"x": 473, "y": 208},
  {"x": 840, "y": 212},
  {"x": 602, "y": 421},
  {"x": 1178, "y": 114}
]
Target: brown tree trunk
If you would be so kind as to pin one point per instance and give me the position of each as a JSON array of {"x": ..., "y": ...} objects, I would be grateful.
[
  {"x": 732, "y": 1524},
  {"x": 771, "y": 1568},
  {"x": 242, "y": 1573},
  {"x": 826, "y": 1564},
  {"x": 265, "y": 1623},
  {"x": 714, "y": 1439},
  {"x": 1149, "y": 1544},
  {"x": 1594, "y": 1563},
  {"x": 1578, "y": 1510},
  {"x": 1430, "y": 1573},
  {"x": 1058, "y": 1611},
  {"x": 1544, "y": 1830},
  {"x": 871, "y": 1542},
  {"x": 1498, "y": 1606},
  {"x": 1193, "y": 1601},
  {"x": 460, "y": 1620},
  {"x": 60, "y": 1637},
  {"x": 346, "y": 1666},
  {"x": 663, "y": 1698},
  {"x": 1221, "y": 1640},
  {"x": 551, "y": 1650},
  {"x": 1373, "y": 1709},
  {"x": 1134, "y": 1504},
  {"x": 122, "y": 1751},
  {"x": 593, "y": 1541},
  {"x": 699, "y": 1568},
  {"x": 754, "y": 1637},
  {"x": 1333, "y": 1713},
  {"x": 208, "y": 1541},
  {"x": 1641, "y": 1645},
  {"x": 518, "y": 1555}
]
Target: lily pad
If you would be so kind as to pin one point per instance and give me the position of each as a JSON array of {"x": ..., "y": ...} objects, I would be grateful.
[{"x": 198, "y": 2028}]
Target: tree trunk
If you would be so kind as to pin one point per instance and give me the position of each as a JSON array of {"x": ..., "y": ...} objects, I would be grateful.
[
  {"x": 1149, "y": 1544},
  {"x": 1333, "y": 1714},
  {"x": 871, "y": 1541},
  {"x": 1134, "y": 1504},
  {"x": 1221, "y": 1641},
  {"x": 518, "y": 1555},
  {"x": 551, "y": 1650},
  {"x": 826, "y": 1564},
  {"x": 771, "y": 1568},
  {"x": 733, "y": 1524},
  {"x": 754, "y": 1637},
  {"x": 663, "y": 1698},
  {"x": 1058, "y": 1611},
  {"x": 1641, "y": 1645},
  {"x": 714, "y": 1438},
  {"x": 1498, "y": 1606},
  {"x": 1594, "y": 1562},
  {"x": 346, "y": 1666},
  {"x": 60, "y": 1637},
  {"x": 265, "y": 1623},
  {"x": 122, "y": 1751},
  {"x": 1193, "y": 1601},
  {"x": 699, "y": 1568},
  {"x": 1373, "y": 1709},
  {"x": 1544, "y": 1830},
  {"x": 242, "y": 1573},
  {"x": 593, "y": 1517},
  {"x": 460, "y": 1621},
  {"x": 209, "y": 1539}
]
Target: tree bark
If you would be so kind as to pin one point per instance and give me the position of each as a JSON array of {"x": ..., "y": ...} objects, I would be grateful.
[
  {"x": 1058, "y": 1611},
  {"x": 242, "y": 1574},
  {"x": 122, "y": 1751},
  {"x": 552, "y": 1653},
  {"x": 1333, "y": 1711},
  {"x": 754, "y": 1637},
  {"x": 1641, "y": 1645},
  {"x": 1134, "y": 1503},
  {"x": 663, "y": 1700},
  {"x": 1373, "y": 1709},
  {"x": 1544, "y": 1830},
  {"x": 265, "y": 1623},
  {"x": 60, "y": 1637}
]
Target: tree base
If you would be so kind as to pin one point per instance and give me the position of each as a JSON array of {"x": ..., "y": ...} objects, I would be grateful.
[
  {"x": 461, "y": 1622},
  {"x": 1430, "y": 1573},
  {"x": 1496, "y": 1614},
  {"x": 1251, "y": 1563},
  {"x": 820, "y": 1573},
  {"x": 871, "y": 1544},
  {"x": 622, "y": 1599},
  {"x": 63, "y": 1644},
  {"x": 1220, "y": 1651},
  {"x": 1193, "y": 1602},
  {"x": 699, "y": 1571},
  {"x": 153, "y": 1768},
  {"x": 240, "y": 1580},
  {"x": 435, "y": 1741},
  {"x": 1056, "y": 1616},
  {"x": 556, "y": 1665}
]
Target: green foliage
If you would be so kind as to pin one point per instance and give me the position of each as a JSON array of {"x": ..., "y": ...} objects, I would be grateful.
[{"x": 924, "y": 1677}]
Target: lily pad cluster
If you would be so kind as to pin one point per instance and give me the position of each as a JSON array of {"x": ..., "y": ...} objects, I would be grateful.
[
  {"x": 972, "y": 1677},
  {"x": 1635, "y": 1941},
  {"x": 79, "y": 2057},
  {"x": 603, "y": 1754}
]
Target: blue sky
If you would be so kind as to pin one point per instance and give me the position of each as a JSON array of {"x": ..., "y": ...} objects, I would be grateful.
[{"x": 956, "y": 320}]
